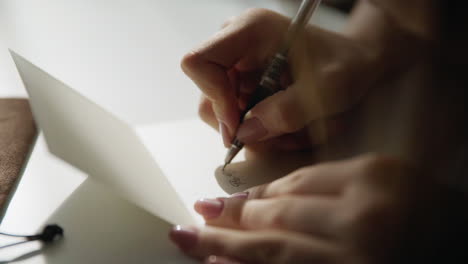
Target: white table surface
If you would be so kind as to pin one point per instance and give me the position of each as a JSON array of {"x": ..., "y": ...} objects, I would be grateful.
[{"x": 124, "y": 55}]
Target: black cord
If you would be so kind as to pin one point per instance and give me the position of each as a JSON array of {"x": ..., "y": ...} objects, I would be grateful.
[
  {"x": 49, "y": 234},
  {"x": 11, "y": 235}
]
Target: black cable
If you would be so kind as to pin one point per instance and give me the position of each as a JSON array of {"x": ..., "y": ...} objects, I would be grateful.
[{"x": 49, "y": 234}]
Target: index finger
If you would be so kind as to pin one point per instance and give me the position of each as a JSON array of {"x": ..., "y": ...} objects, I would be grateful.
[{"x": 244, "y": 43}]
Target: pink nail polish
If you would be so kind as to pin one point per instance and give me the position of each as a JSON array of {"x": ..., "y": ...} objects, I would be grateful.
[
  {"x": 225, "y": 134},
  {"x": 220, "y": 260},
  {"x": 209, "y": 208},
  {"x": 184, "y": 237},
  {"x": 251, "y": 130},
  {"x": 241, "y": 195}
]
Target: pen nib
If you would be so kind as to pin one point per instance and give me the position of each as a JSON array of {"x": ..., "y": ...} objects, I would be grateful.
[{"x": 224, "y": 167}]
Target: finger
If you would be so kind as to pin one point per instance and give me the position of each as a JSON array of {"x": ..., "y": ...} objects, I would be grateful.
[
  {"x": 277, "y": 115},
  {"x": 306, "y": 215},
  {"x": 306, "y": 139},
  {"x": 302, "y": 214},
  {"x": 216, "y": 85},
  {"x": 299, "y": 141},
  {"x": 260, "y": 247},
  {"x": 207, "y": 66},
  {"x": 283, "y": 115},
  {"x": 323, "y": 179},
  {"x": 222, "y": 212},
  {"x": 206, "y": 113}
]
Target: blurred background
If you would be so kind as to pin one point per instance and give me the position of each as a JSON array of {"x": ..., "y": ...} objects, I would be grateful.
[{"x": 124, "y": 55}]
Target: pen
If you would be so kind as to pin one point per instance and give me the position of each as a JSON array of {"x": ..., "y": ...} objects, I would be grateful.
[{"x": 270, "y": 81}]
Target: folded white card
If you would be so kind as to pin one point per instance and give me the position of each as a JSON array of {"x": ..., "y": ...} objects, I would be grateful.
[
  {"x": 109, "y": 150},
  {"x": 160, "y": 168}
]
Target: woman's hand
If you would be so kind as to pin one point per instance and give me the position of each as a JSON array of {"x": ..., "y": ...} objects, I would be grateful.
[
  {"x": 352, "y": 211},
  {"x": 326, "y": 67}
]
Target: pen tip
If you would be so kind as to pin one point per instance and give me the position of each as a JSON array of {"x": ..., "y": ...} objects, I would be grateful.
[{"x": 224, "y": 167}]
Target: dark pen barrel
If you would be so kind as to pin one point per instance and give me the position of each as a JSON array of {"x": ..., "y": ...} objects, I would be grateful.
[
  {"x": 269, "y": 85},
  {"x": 271, "y": 79}
]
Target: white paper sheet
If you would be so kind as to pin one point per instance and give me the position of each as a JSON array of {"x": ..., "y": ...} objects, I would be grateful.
[
  {"x": 100, "y": 227},
  {"x": 91, "y": 139}
]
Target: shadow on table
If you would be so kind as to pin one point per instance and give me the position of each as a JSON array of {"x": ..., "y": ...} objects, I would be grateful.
[{"x": 22, "y": 257}]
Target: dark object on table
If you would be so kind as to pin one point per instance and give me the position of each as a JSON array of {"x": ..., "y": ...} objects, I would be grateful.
[
  {"x": 17, "y": 136},
  {"x": 49, "y": 234}
]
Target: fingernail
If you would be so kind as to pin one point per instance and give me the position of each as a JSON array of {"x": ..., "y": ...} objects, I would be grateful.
[
  {"x": 184, "y": 237},
  {"x": 219, "y": 260},
  {"x": 251, "y": 130},
  {"x": 209, "y": 208},
  {"x": 225, "y": 134},
  {"x": 239, "y": 195}
]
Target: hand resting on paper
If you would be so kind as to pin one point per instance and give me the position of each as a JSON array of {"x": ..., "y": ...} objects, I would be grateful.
[{"x": 369, "y": 209}]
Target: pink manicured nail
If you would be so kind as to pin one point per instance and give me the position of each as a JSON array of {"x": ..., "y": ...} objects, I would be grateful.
[
  {"x": 220, "y": 260},
  {"x": 240, "y": 195},
  {"x": 184, "y": 237},
  {"x": 225, "y": 134},
  {"x": 251, "y": 130},
  {"x": 209, "y": 208}
]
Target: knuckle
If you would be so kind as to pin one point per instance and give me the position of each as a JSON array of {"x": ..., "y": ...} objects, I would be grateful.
[
  {"x": 190, "y": 62},
  {"x": 297, "y": 178},
  {"x": 376, "y": 168},
  {"x": 271, "y": 215},
  {"x": 258, "y": 192},
  {"x": 298, "y": 175},
  {"x": 378, "y": 160},
  {"x": 204, "y": 109},
  {"x": 375, "y": 160},
  {"x": 296, "y": 182},
  {"x": 278, "y": 214}
]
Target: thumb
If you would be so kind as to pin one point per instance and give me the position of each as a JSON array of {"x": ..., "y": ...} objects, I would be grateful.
[{"x": 281, "y": 113}]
